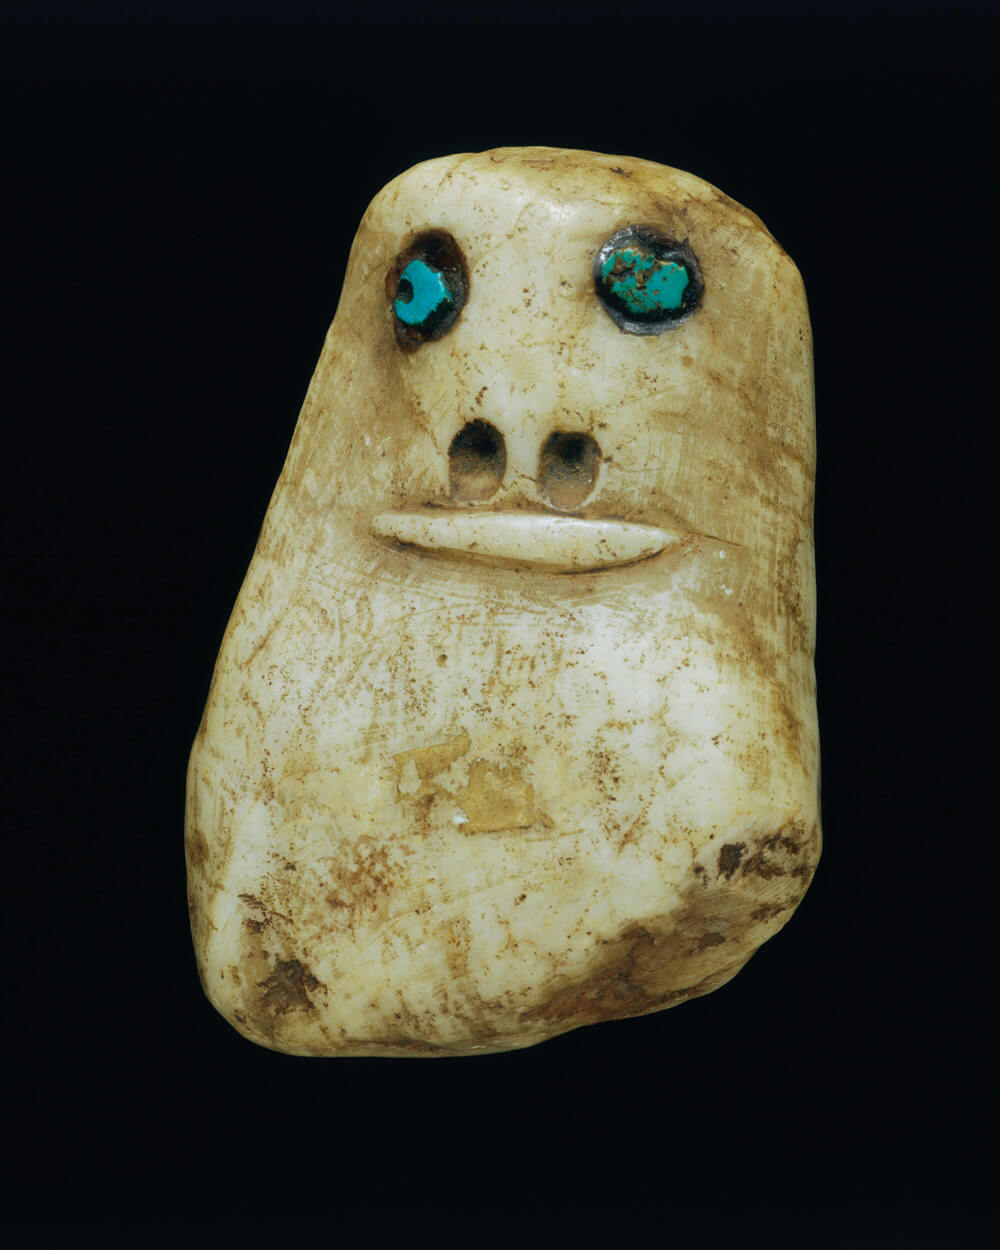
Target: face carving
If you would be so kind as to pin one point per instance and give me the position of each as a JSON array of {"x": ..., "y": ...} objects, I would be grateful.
[{"x": 513, "y": 727}]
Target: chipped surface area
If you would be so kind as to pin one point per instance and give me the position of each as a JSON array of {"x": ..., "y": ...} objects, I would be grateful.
[{"x": 448, "y": 806}]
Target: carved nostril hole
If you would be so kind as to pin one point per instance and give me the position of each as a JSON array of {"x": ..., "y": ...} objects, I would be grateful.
[
  {"x": 568, "y": 468},
  {"x": 477, "y": 461}
]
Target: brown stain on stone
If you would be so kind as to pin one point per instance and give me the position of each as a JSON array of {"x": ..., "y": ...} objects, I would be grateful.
[
  {"x": 287, "y": 988},
  {"x": 275, "y": 1001},
  {"x": 760, "y": 866},
  {"x": 662, "y": 962},
  {"x": 791, "y": 841},
  {"x": 197, "y": 848},
  {"x": 266, "y": 914},
  {"x": 456, "y": 951},
  {"x": 273, "y": 988},
  {"x": 655, "y": 964},
  {"x": 258, "y": 923},
  {"x": 769, "y": 911},
  {"x": 629, "y": 984},
  {"x": 729, "y": 858},
  {"x": 391, "y": 1044},
  {"x": 792, "y": 852},
  {"x": 361, "y": 883}
]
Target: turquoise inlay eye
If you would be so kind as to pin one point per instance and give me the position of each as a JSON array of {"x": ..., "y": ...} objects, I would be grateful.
[
  {"x": 428, "y": 292},
  {"x": 644, "y": 283},
  {"x": 647, "y": 281}
]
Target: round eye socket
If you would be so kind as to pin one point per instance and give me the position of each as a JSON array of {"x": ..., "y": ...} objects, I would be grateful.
[
  {"x": 427, "y": 288},
  {"x": 647, "y": 281}
]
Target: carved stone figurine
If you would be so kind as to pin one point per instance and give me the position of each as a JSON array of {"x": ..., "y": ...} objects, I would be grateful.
[{"x": 513, "y": 728}]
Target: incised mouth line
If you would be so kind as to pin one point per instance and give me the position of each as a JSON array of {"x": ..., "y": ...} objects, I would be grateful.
[{"x": 538, "y": 540}]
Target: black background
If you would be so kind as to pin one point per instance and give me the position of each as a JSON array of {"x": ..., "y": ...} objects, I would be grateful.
[{"x": 186, "y": 187}]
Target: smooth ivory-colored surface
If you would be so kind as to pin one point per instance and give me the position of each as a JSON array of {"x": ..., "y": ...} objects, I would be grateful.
[
  {"x": 561, "y": 543},
  {"x": 466, "y": 781}
]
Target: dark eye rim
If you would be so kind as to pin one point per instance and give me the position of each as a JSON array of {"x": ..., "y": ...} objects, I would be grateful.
[
  {"x": 663, "y": 247},
  {"x": 438, "y": 249}
]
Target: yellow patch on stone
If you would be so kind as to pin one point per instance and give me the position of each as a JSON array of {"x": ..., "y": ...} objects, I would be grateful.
[
  {"x": 428, "y": 762},
  {"x": 496, "y": 796}
]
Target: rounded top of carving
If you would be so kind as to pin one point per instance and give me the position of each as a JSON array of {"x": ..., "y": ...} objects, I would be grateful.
[{"x": 568, "y": 188}]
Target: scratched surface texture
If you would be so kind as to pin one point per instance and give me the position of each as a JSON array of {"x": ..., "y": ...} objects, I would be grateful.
[{"x": 441, "y": 804}]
